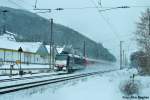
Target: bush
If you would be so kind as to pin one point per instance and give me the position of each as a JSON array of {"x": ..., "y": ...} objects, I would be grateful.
[
  {"x": 140, "y": 60},
  {"x": 129, "y": 87}
]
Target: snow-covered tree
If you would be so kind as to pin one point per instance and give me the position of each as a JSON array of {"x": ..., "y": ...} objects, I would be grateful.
[
  {"x": 143, "y": 32},
  {"x": 143, "y": 39}
]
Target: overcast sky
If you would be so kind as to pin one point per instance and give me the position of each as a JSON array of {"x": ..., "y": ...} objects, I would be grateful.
[{"x": 107, "y": 27}]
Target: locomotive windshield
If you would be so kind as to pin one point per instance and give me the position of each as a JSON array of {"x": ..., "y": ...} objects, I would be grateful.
[{"x": 61, "y": 57}]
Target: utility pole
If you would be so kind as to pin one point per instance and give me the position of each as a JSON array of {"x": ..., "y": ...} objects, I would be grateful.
[
  {"x": 97, "y": 50},
  {"x": 148, "y": 63},
  {"x": 51, "y": 43},
  {"x": 4, "y": 18},
  {"x": 126, "y": 61},
  {"x": 123, "y": 58},
  {"x": 51, "y": 56},
  {"x": 35, "y": 4},
  {"x": 84, "y": 49},
  {"x": 148, "y": 21},
  {"x": 121, "y": 42}
]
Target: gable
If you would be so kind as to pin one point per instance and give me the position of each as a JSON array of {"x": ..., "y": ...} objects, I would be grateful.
[{"x": 42, "y": 50}]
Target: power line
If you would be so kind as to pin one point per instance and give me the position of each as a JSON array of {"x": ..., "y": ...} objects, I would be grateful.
[
  {"x": 112, "y": 29},
  {"x": 138, "y": 6},
  {"x": 108, "y": 23},
  {"x": 35, "y": 4},
  {"x": 14, "y": 3},
  {"x": 104, "y": 8},
  {"x": 26, "y": 3}
]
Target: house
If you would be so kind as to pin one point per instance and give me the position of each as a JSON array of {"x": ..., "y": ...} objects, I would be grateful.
[{"x": 33, "y": 52}]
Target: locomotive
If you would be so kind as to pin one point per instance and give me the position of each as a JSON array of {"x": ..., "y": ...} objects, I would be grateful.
[{"x": 69, "y": 62}]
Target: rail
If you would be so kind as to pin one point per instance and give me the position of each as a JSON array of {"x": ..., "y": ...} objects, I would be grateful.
[{"x": 22, "y": 86}]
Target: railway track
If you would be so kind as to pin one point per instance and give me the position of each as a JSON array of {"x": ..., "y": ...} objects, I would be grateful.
[
  {"x": 22, "y": 86},
  {"x": 24, "y": 78}
]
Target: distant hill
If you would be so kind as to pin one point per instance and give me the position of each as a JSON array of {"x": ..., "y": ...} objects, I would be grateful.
[{"x": 32, "y": 27}]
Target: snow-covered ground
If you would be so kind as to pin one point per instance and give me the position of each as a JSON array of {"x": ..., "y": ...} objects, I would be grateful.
[
  {"x": 99, "y": 87},
  {"x": 88, "y": 69}
]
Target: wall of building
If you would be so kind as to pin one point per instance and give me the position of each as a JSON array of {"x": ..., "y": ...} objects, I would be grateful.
[{"x": 12, "y": 56}]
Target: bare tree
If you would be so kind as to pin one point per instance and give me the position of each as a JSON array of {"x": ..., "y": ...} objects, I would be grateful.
[
  {"x": 143, "y": 32},
  {"x": 143, "y": 39}
]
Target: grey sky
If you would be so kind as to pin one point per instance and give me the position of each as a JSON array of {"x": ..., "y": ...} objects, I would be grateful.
[{"x": 90, "y": 23}]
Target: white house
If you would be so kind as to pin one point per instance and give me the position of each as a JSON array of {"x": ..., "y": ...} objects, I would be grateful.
[{"x": 33, "y": 52}]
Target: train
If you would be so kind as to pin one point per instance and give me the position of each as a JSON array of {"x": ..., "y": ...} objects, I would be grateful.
[{"x": 69, "y": 62}]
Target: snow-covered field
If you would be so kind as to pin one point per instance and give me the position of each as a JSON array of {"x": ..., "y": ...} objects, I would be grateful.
[
  {"x": 88, "y": 69},
  {"x": 99, "y": 87}
]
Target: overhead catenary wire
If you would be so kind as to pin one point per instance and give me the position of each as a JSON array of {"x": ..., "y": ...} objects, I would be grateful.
[
  {"x": 23, "y": 1},
  {"x": 112, "y": 25},
  {"x": 108, "y": 8},
  {"x": 23, "y": 8},
  {"x": 103, "y": 7},
  {"x": 107, "y": 22},
  {"x": 80, "y": 8},
  {"x": 112, "y": 28},
  {"x": 14, "y": 3}
]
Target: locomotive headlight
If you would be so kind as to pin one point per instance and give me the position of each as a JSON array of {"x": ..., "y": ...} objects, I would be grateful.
[
  {"x": 56, "y": 65},
  {"x": 64, "y": 68},
  {"x": 55, "y": 68}
]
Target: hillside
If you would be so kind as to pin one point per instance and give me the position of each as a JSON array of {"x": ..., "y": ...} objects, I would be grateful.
[{"x": 32, "y": 27}]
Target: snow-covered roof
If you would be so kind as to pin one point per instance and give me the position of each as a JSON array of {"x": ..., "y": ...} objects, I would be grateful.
[
  {"x": 58, "y": 49},
  {"x": 26, "y": 46},
  {"x": 48, "y": 48},
  {"x": 30, "y": 46},
  {"x": 10, "y": 33},
  {"x": 7, "y": 37}
]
